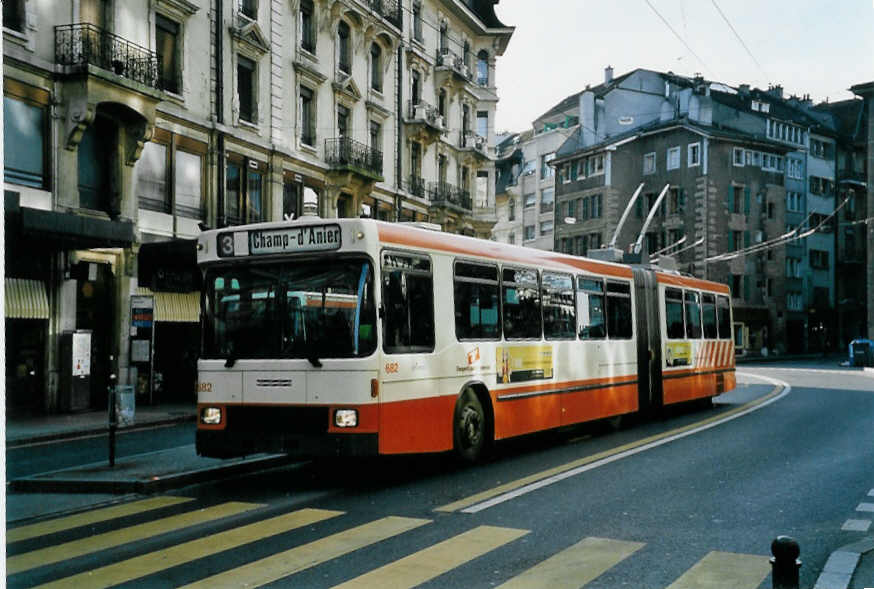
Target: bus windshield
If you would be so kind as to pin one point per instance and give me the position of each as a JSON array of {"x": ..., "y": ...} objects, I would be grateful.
[{"x": 311, "y": 309}]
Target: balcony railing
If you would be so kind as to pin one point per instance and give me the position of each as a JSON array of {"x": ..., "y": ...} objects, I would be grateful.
[
  {"x": 86, "y": 44},
  {"x": 343, "y": 152},
  {"x": 470, "y": 140},
  {"x": 443, "y": 193},
  {"x": 447, "y": 58},
  {"x": 388, "y": 9},
  {"x": 422, "y": 111},
  {"x": 417, "y": 187}
]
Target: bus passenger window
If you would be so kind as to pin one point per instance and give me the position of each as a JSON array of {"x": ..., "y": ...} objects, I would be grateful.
[
  {"x": 674, "y": 313},
  {"x": 723, "y": 311},
  {"x": 708, "y": 312},
  {"x": 521, "y": 295},
  {"x": 590, "y": 309},
  {"x": 693, "y": 315},
  {"x": 557, "y": 292},
  {"x": 619, "y": 310},
  {"x": 408, "y": 301},
  {"x": 476, "y": 302}
]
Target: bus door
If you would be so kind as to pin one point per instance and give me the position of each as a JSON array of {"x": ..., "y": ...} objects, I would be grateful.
[{"x": 649, "y": 345}]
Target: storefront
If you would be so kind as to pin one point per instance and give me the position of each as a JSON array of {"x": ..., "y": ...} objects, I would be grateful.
[{"x": 27, "y": 318}]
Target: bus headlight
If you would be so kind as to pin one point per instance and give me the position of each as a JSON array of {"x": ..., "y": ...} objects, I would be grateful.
[
  {"x": 346, "y": 418},
  {"x": 211, "y": 415}
]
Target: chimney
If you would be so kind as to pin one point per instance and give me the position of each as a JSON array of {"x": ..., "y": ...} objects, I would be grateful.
[
  {"x": 608, "y": 74},
  {"x": 776, "y": 91}
]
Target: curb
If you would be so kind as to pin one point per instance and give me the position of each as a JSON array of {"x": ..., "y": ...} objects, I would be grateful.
[
  {"x": 59, "y": 484},
  {"x": 841, "y": 564},
  {"x": 94, "y": 431}
]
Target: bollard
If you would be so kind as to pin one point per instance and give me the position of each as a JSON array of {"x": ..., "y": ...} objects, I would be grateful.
[{"x": 785, "y": 564}]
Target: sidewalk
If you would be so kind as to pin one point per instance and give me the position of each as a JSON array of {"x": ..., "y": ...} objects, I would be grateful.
[{"x": 89, "y": 484}]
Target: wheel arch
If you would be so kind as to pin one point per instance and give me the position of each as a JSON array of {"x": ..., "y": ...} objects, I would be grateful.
[{"x": 482, "y": 393}]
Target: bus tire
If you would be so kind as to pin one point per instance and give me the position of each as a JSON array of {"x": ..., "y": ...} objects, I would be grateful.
[{"x": 469, "y": 427}]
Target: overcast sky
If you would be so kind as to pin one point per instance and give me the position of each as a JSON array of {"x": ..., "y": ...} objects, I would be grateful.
[{"x": 811, "y": 47}]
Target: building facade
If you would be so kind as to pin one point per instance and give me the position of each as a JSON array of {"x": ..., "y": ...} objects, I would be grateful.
[{"x": 144, "y": 122}]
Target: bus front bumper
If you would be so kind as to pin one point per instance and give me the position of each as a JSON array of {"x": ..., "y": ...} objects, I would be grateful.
[{"x": 224, "y": 444}]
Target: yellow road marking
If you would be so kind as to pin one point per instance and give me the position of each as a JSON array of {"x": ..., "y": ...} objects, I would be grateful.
[
  {"x": 432, "y": 562},
  {"x": 283, "y": 564},
  {"x": 90, "y": 517},
  {"x": 575, "y": 566},
  {"x": 147, "y": 564},
  {"x": 538, "y": 476},
  {"x": 725, "y": 569},
  {"x": 68, "y": 550}
]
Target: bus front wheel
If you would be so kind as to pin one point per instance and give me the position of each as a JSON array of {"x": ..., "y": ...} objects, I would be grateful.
[{"x": 470, "y": 428}]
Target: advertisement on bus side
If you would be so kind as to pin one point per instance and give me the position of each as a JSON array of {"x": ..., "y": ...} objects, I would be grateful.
[{"x": 522, "y": 363}]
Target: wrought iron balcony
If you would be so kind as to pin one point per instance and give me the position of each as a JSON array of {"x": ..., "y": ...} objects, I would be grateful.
[
  {"x": 446, "y": 58},
  {"x": 343, "y": 153},
  {"x": 470, "y": 140},
  {"x": 416, "y": 186},
  {"x": 85, "y": 44},
  {"x": 443, "y": 193},
  {"x": 388, "y": 9}
]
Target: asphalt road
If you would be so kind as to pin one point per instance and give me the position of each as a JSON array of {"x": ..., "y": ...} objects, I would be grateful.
[{"x": 666, "y": 513}]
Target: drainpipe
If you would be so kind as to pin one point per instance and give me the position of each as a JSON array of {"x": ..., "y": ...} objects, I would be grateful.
[
  {"x": 400, "y": 122},
  {"x": 219, "y": 112}
]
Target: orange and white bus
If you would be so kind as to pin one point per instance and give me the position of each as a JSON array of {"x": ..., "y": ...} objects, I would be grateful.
[{"x": 359, "y": 337}]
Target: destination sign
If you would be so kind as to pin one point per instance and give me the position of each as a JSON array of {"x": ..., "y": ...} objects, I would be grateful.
[{"x": 289, "y": 240}]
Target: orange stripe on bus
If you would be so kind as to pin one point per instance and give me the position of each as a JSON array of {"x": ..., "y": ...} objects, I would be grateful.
[{"x": 690, "y": 282}]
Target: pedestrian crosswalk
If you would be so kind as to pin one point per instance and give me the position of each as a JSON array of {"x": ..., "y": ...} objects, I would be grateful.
[{"x": 50, "y": 553}]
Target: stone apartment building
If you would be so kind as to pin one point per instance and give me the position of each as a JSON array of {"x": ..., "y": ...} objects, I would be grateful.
[
  {"x": 742, "y": 167},
  {"x": 128, "y": 124}
]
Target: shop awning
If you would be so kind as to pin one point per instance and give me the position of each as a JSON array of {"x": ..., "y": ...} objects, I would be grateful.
[
  {"x": 176, "y": 307},
  {"x": 26, "y": 299}
]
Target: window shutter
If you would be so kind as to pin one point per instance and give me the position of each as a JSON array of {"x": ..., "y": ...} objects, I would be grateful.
[
  {"x": 682, "y": 199},
  {"x": 746, "y": 239},
  {"x": 746, "y": 200},
  {"x": 746, "y": 287},
  {"x": 638, "y": 206},
  {"x": 730, "y": 200},
  {"x": 731, "y": 247}
]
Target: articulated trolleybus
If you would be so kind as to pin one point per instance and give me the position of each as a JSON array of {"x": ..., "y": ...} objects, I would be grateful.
[{"x": 327, "y": 337}]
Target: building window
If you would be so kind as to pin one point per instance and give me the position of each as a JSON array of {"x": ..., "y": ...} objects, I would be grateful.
[
  {"x": 594, "y": 241},
  {"x": 818, "y": 259},
  {"x": 441, "y": 103},
  {"x": 13, "y": 15},
  {"x": 794, "y": 202},
  {"x": 738, "y": 156},
  {"x": 511, "y": 214},
  {"x": 796, "y": 169},
  {"x": 735, "y": 239},
  {"x": 375, "y": 135},
  {"x": 676, "y": 201},
  {"x": 415, "y": 87},
  {"x": 97, "y": 153},
  {"x": 547, "y": 200},
  {"x": 344, "y": 55},
  {"x": 416, "y": 160},
  {"x": 694, "y": 153},
  {"x": 673, "y": 159},
  {"x": 249, "y": 8},
  {"x": 243, "y": 191},
  {"x": 511, "y": 239},
  {"x": 342, "y": 121},
  {"x": 376, "y": 67},
  {"x": 649, "y": 163},
  {"x": 167, "y": 50},
  {"x": 595, "y": 206},
  {"x": 596, "y": 165},
  {"x": 482, "y": 68},
  {"x": 24, "y": 138},
  {"x": 417, "y": 21},
  {"x": 546, "y": 171},
  {"x": 246, "y": 88},
  {"x": 188, "y": 184},
  {"x": 793, "y": 267},
  {"x": 546, "y": 227},
  {"x": 530, "y": 199},
  {"x": 529, "y": 232},
  {"x": 307, "y": 32},
  {"x": 306, "y": 108},
  {"x": 482, "y": 123},
  {"x": 151, "y": 171}
]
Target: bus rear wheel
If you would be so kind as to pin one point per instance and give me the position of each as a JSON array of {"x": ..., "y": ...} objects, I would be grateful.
[{"x": 470, "y": 428}]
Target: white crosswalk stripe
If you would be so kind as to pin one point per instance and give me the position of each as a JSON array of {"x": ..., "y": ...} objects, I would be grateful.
[{"x": 573, "y": 566}]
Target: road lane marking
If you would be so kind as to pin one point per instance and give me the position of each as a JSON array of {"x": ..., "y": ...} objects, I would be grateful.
[
  {"x": 573, "y": 567},
  {"x": 856, "y": 525},
  {"x": 435, "y": 560},
  {"x": 725, "y": 569},
  {"x": 865, "y": 507},
  {"x": 496, "y": 495},
  {"x": 90, "y": 517},
  {"x": 283, "y": 564},
  {"x": 160, "y": 560},
  {"x": 68, "y": 550}
]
